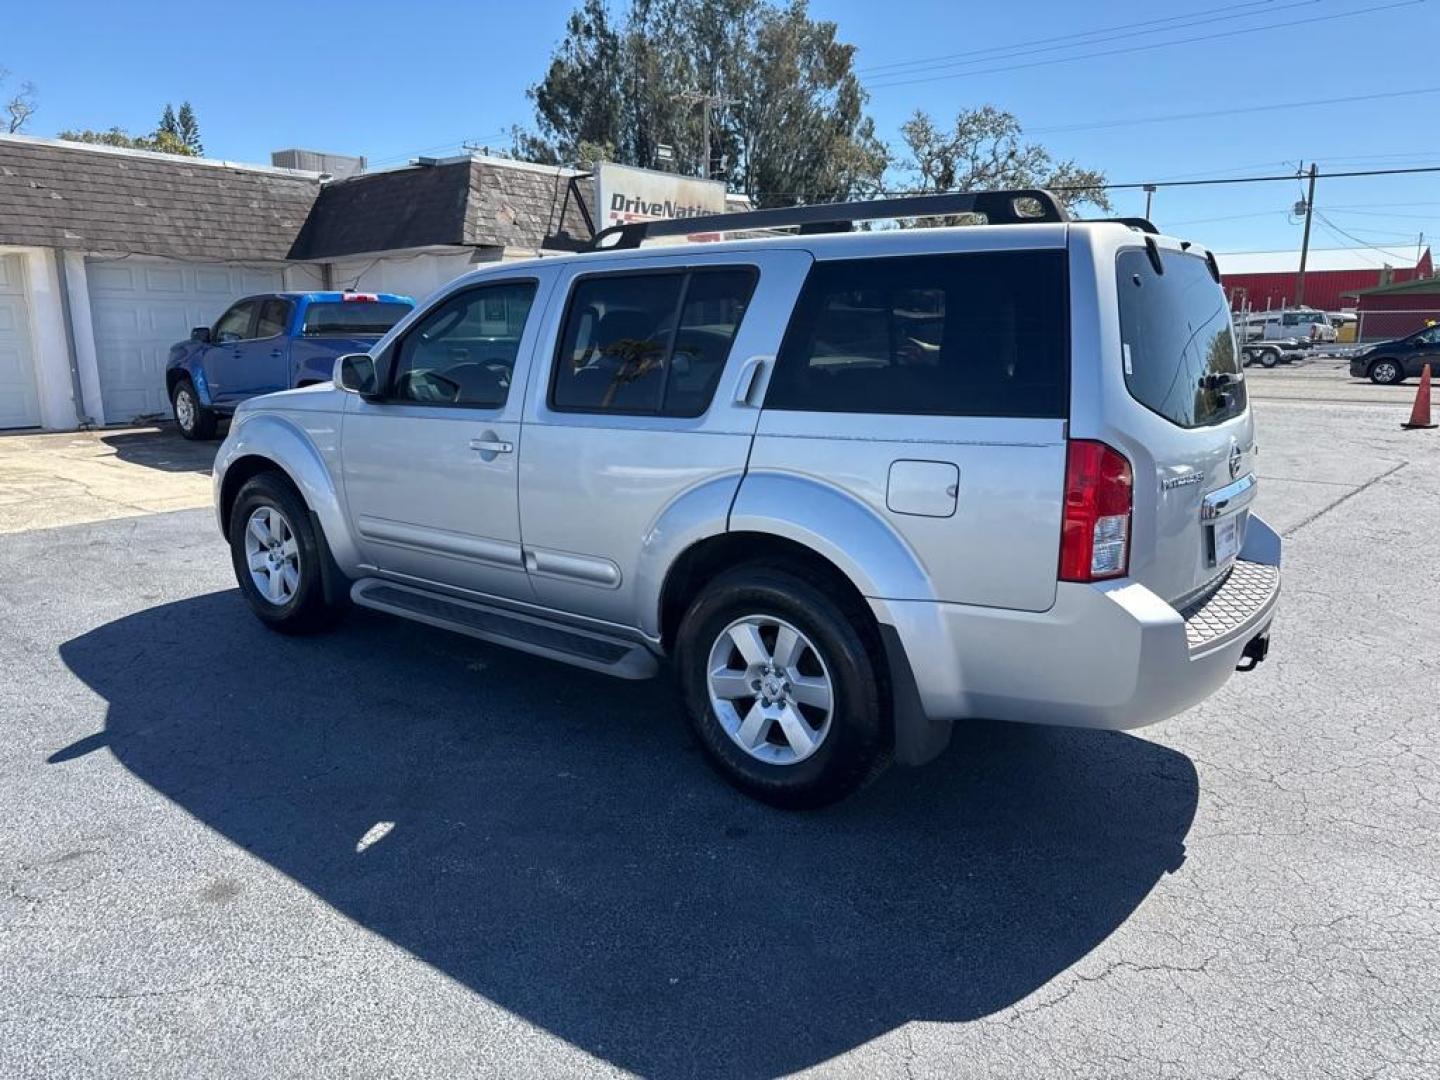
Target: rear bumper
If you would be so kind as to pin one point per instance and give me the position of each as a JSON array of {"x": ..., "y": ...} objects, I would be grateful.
[{"x": 1113, "y": 655}]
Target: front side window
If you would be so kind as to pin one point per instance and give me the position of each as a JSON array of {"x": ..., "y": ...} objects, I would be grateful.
[
  {"x": 649, "y": 344},
  {"x": 1176, "y": 337},
  {"x": 234, "y": 325},
  {"x": 274, "y": 318},
  {"x": 983, "y": 334},
  {"x": 1430, "y": 336},
  {"x": 464, "y": 352}
]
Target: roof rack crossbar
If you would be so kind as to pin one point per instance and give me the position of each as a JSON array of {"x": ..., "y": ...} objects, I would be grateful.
[
  {"x": 1024, "y": 206},
  {"x": 1140, "y": 224}
]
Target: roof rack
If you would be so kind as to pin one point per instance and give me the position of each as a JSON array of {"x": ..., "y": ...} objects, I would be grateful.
[
  {"x": 1139, "y": 224},
  {"x": 1026, "y": 206}
]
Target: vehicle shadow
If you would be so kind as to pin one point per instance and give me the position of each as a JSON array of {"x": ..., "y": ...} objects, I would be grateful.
[
  {"x": 163, "y": 448},
  {"x": 557, "y": 844}
]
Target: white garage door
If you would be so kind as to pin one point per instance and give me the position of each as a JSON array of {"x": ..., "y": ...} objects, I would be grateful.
[
  {"x": 19, "y": 404},
  {"x": 140, "y": 307}
]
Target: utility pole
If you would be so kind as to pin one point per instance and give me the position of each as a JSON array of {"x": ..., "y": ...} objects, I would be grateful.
[
  {"x": 1149, "y": 194},
  {"x": 1305, "y": 241},
  {"x": 706, "y": 103}
]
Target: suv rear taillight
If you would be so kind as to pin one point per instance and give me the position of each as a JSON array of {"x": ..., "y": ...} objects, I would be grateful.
[{"x": 1095, "y": 530}]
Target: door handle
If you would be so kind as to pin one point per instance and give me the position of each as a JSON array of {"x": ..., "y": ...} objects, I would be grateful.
[
  {"x": 749, "y": 378},
  {"x": 491, "y": 446},
  {"x": 276, "y": 353}
]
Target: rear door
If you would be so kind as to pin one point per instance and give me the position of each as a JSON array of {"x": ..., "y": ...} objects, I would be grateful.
[
  {"x": 934, "y": 388},
  {"x": 645, "y": 401},
  {"x": 1183, "y": 412}
]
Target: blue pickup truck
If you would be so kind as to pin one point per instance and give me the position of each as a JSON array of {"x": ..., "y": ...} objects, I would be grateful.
[{"x": 271, "y": 342}]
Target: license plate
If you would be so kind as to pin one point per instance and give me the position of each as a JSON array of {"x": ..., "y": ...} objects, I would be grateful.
[{"x": 1227, "y": 538}]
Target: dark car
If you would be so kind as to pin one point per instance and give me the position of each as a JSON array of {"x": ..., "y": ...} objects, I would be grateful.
[
  {"x": 275, "y": 341},
  {"x": 1395, "y": 361}
]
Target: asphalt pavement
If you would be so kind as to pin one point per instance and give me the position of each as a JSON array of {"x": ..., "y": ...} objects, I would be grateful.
[{"x": 391, "y": 851}]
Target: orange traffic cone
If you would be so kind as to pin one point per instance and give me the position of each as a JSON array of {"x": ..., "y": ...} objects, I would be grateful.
[{"x": 1420, "y": 414}]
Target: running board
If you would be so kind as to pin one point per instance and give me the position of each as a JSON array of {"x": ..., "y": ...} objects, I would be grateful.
[{"x": 583, "y": 648}]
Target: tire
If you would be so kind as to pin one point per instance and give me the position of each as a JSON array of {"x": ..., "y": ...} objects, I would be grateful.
[
  {"x": 849, "y": 743},
  {"x": 1269, "y": 358},
  {"x": 271, "y": 526},
  {"x": 193, "y": 419},
  {"x": 1387, "y": 372}
]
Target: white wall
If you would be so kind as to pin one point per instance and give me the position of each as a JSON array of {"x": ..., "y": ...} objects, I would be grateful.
[
  {"x": 48, "y": 352},
  {"x": 412, "y": 275}
]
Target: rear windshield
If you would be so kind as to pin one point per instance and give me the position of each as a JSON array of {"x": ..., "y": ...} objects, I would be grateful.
[
  {"x": 982, "y": 334},
  {"x": 1177, "y": 338},
  {"x": 350, "y": 317}
]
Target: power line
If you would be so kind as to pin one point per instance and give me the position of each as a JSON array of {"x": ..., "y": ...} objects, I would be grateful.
[
  {"x": 1287, "y": 25},
  {"x": 1212, "y": 113},
  {"x": 1070, "y": 40}
]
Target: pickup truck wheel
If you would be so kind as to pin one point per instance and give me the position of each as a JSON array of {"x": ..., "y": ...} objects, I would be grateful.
[
  {"x": 781, "y": 689},
  {"x": 193, "y": 419},
  {"x": 1386, "y": 372},
  {"x": 277, "y": 557},
  {"x": 1269, "y": 358}
]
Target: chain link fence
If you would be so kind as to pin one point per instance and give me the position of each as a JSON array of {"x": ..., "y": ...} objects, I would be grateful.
[{"x": 1383, "y": 325}]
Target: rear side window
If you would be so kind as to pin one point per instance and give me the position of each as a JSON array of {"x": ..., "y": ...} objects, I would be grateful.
[
  {"x": 649, "y": 344},
  {"x": 984, "y": 334},
  {"x": 1176, "y": 334},
  {"x": 346, "y": 318}
]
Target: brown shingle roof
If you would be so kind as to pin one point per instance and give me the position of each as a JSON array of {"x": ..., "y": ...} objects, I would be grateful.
[
  {"x": 97, "y": 199},
  {"x": 93, "y": 199}
]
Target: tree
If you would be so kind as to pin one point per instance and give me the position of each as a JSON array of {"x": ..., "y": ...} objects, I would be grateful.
[
  {"x": 175, "y": 134},
  {"x": 188, "y": 128},
  {"x": 786, "y": 112},
  {"x": 20, "y": 105},
  {"x": 985, "y": 149}
]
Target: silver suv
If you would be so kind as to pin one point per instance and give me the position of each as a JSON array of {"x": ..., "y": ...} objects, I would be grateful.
[{"x": 854, "y": 486}]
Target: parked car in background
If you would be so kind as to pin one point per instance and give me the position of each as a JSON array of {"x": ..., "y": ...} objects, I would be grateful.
[
  {"x": 275, "y": 341},
  {"x": 1282, "y": 324},
  {"x": 1391, "y": 362},
  {"x": 853, "y": 487}
]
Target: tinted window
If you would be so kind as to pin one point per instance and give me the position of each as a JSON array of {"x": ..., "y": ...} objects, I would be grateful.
[
  {"x": 350, "y": 317},
  {"x": 957, "y": 335},
  {"x": 1175, "y": 331},
  {"x": 649, "y": 343},
  {"x": 234, "y": 325},
  {"x": 464, "y": 352},
  {"x": 274, "y": 318}
]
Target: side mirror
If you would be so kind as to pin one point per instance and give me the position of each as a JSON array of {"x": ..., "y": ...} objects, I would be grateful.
[
  {"x": 355, "y": 374},
  {"x": 201, "y": 334}
]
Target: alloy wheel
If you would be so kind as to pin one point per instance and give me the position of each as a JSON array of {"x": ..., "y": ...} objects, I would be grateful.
[
  {"x": 272, "y": 554},
  {"x": 771, "y": 689},
  {"x": 184, "y": 409}
]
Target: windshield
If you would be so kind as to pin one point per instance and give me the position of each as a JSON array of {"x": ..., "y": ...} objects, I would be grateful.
[
  {"x": 349, "y": 318},
  {"x": 1178, "y": 344}
]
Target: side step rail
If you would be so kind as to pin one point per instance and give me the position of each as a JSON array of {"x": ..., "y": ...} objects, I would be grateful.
[{"x": 583, "y": 648}]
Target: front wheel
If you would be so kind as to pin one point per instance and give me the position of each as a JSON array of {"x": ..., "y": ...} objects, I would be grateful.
[
  {"x": 193, "y": 419},
  {"x": 276, "y": 556},
  {"x": 782, "y": 688},
  {"x": 1269, "y": 358},
  {"x": 1386, "y": 372}
]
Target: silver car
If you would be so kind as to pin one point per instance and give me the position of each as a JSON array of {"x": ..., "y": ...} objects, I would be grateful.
[{"x": 852, "y": 486}]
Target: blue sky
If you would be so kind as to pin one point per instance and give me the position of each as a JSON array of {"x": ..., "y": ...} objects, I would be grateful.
[{"x": 390, "y": 81}]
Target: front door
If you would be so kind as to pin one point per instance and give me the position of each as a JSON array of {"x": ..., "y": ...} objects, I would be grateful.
[
  {"x": 644, "y": 404},
  {"x": 221, "y": 361},
  {"x": 430, "y": 470},
  {"x": 1425, "y": 349}
]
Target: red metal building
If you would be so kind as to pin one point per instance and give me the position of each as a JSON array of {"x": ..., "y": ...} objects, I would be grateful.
[{"x": 1333, "y": 276}]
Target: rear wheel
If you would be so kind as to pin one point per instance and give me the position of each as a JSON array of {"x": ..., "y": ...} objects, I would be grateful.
[
  {"x": 782, "y": 688},
  {"x": 193, "y": 419},
  {"x": 277, "y": 556},
  {"x": 1386, "y": 372},
  {"x": 1269, "y": 358}
]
